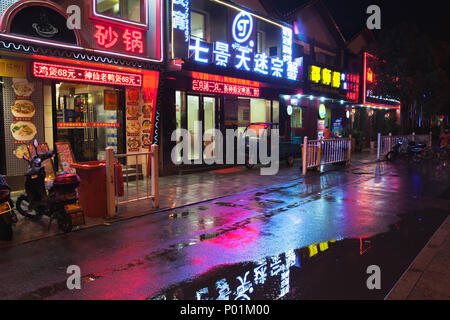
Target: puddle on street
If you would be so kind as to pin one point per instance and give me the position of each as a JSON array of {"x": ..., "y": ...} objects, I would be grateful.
[{"x": 334, "y": 269}]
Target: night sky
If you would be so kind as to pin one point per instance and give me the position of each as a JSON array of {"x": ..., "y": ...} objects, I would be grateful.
[{"x": 430, "y": 16}]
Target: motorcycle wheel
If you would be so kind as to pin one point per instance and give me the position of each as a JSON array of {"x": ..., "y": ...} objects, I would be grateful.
[
  {"x": 64, "y": 222},
  {"x": 390, "y": 156},
  {"x": 23, "y": 206}
]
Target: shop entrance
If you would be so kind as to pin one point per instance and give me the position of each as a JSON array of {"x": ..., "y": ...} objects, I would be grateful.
[
  {"x": 201, "y": 108},
  {"x": 91, "y": 118},
  {"x": 192, "y": 109}
]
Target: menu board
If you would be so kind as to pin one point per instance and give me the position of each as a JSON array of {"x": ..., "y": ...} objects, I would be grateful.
[
  {"x": 22, "y": 128},
  {"x": 65, "y": 156},
  {"x": 47, "y": 164}
]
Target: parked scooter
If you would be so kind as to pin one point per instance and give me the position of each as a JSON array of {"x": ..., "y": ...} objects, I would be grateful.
[
  {"x": 7, "y": 215},
  {"x": 38, "y": 202},
  {"x": 413, "y": 151}
]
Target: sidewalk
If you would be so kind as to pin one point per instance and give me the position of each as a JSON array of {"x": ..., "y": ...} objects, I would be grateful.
[
  {"x": 182, "y": 190},
  {"x": 428, "y": 277}
]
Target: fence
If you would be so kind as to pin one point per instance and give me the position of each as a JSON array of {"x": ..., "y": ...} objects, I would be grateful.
[
  {"x": 316, "y": 153},
  {"x": 134, "y": 190},
  {"x": 385, "y": 143}
]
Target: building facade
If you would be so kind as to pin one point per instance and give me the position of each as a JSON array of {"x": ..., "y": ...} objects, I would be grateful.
[{"x": 78, "y": 76}]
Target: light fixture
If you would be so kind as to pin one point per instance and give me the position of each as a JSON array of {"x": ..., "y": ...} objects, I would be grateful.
[
  {"x": 322, "y": 99},
  {"x": 311, "y": 97},
  {"x": 342, "y": 101}
]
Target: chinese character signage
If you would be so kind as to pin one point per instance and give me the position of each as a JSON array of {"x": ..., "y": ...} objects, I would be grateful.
[
  {"x": 240, "y": 51},
  {"x": 204, "y": 82},
  {"x": 370, "y": 95},
  {"x": 121, "y": 39},
  {"x": 101, "y": 33},
  {"x": 70, "y": 73},
  {"x": 329, "y": 81}
]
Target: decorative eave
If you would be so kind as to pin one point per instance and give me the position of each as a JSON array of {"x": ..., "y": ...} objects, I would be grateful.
[{"x": 83, "y": 56}]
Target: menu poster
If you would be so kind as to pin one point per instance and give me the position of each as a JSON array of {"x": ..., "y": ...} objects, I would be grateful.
[
  {"x": 47, "y": 164},
  {"x": 133, "y": 117},
  {"x": 150, "y": 93},
  {"x": 22, "y": 129},
  {"x": 111, "y": 100},
  {"x": 65, "y": 156}
]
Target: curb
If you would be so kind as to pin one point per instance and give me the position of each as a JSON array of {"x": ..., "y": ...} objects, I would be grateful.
[{"x": 408, "y": 280}]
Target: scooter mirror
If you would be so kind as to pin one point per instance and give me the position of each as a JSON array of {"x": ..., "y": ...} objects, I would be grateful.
[
  {"x": 25, "y": 157},
  {"x": 35, "y": 143}
]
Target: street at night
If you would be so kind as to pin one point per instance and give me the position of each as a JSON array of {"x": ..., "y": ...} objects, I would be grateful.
[
  {"x": 224, "y": 158},
  {"x": 176, "y": 253}
]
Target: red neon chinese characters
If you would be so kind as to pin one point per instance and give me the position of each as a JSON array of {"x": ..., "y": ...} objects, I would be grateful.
[
  {"x": 62, "y": 72},
  {"x": 133, "y": 40},
  {"x": 106, "y": 37},
  {"x": 353, "y": 87},
  {"x": 225, "y": 88}
]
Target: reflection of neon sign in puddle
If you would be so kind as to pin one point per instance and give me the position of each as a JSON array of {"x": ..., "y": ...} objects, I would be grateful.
[{"x": 265, "y": 279}]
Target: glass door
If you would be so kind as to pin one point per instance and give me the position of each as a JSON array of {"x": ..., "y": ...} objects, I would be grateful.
[
  {"x": 193, "y": 118},
  {"x": 209, "y": 123},
  {"x": 90, "y": 118}
]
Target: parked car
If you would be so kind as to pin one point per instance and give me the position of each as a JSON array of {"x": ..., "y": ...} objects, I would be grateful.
[{"x": 288, "y": 150}]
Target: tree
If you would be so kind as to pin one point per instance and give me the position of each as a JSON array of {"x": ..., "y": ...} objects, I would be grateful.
[{"x": 414, "y": 68}]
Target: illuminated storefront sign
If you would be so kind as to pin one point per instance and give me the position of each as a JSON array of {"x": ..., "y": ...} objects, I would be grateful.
[
  {"x": 127, "y": 39},
  {"x": 241, "y": 51},
  {"x": 87, "y": 124},
  {"x": 352, "y": 86},
  {"x": 224, "y": 88},
  {"x": 180, "y": 17},
  {"x": 370, "y": 98},
  {"x": 322, "y": 111},
  {"x": 70, "y": 73},
  {"x": 45, "y": 23},
  {"x": 217, "y": 78},
  {"x": 324, "y": 76}
]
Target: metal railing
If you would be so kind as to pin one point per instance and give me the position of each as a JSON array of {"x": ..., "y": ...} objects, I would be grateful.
[
  {"x": 134, "y": 189},
  {"x": 386, "y": 143},
  {"x": 322, "y": 152}
]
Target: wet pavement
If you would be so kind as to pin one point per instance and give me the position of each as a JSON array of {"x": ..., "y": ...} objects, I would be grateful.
[
  {"x": 305, "y": 239},
  {"x": 178, "y": 191}
]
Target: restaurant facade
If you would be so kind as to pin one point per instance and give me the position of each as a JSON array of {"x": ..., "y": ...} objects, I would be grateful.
[
  {"x": 229, "y": 66},
  {"x": 78, "y": 76},
  {"x": 326, "y": 101}
]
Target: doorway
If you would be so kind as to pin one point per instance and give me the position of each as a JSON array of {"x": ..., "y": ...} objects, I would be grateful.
[
  {"x": 91, "y": 118},
  {"x": 202, "y": 109}
]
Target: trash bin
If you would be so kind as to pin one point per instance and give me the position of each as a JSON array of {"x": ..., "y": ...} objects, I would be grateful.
[{"x": 92, "y": 189}]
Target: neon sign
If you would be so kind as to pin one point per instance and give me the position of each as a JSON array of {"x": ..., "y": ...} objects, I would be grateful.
[
  {"x": 199, "y": 50},
  {"x": 224, "y": 88},
  {"x": 325, "y": 76},
  {"x": 108, "y": 37},
  {"x": 370, "y": 96},
  {"x": 217, "y": 78},
  {"x": 322, "y": 111},
  {"x": 240, "y": 52},
  {"x": 63, "y": 72},
  {"x": 180, "y": 17},
  {"x": 352, "y": 84},
  {"x": 242, "y": 27},
  {"x": 87, "y": 124}
]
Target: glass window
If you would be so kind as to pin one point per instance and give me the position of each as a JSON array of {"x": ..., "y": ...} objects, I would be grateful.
[
  {"x": 198, "y": 22},
  {"x": 275, "y": 111},
  {"x": 297, "y": 117},
  {"x": 193, "y": 118},
  {"x": 132, "y": 10}
]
